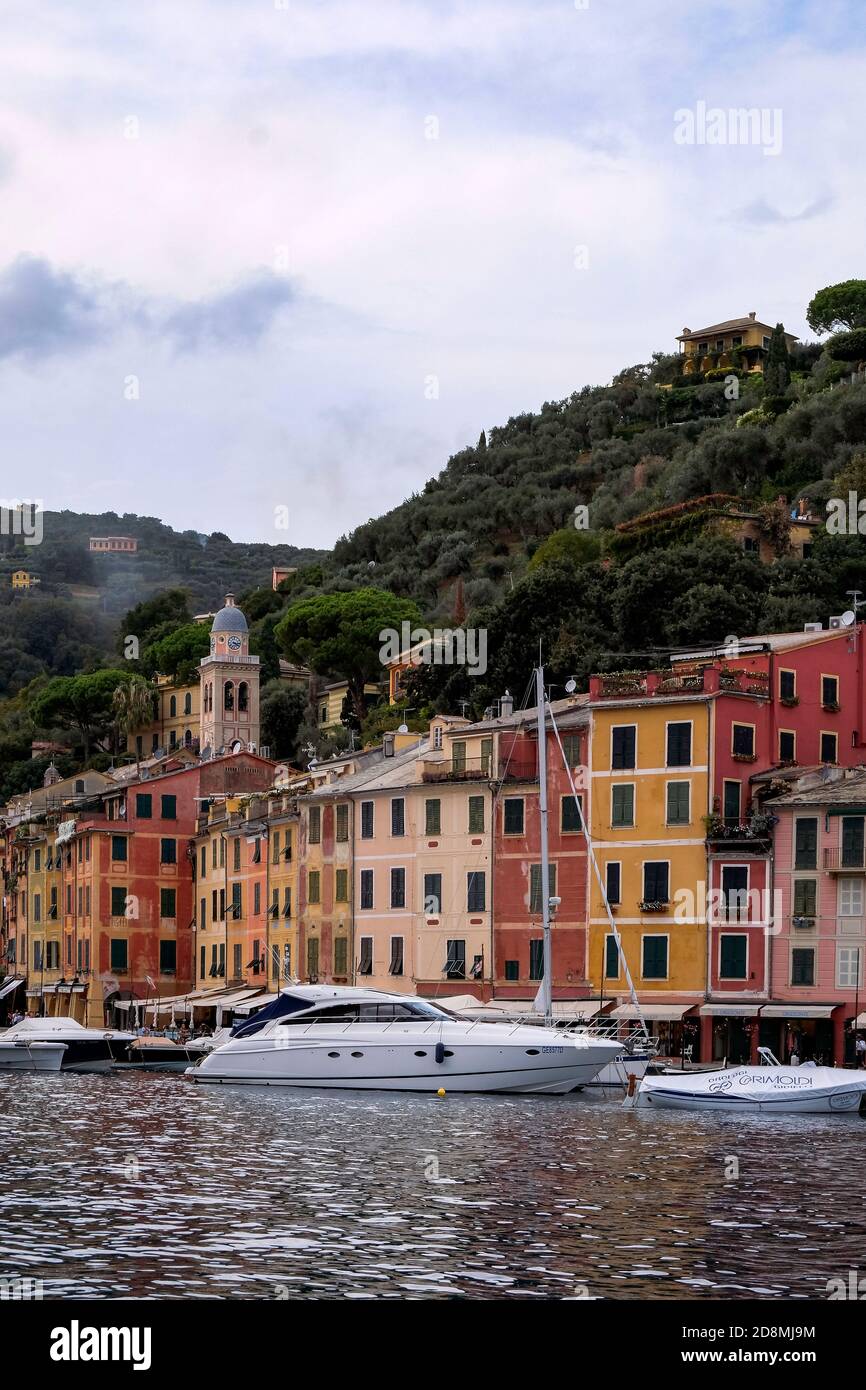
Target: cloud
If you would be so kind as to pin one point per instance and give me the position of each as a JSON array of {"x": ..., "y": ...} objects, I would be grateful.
[
  {"x": 238, "y": 318},
  {"x": 760, "y": 213},
  {"x": 45, "y": 311}
]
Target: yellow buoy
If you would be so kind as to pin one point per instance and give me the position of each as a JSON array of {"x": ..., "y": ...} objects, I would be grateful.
[{"x": 441, "y": 1091}]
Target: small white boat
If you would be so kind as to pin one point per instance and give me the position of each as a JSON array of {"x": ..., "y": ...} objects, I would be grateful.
[
  {"x": 149, "y": 1053},
  {"x": 339, "y": 1037},
  {"x": 771, "y": 1088},
  {"x": 86, "y": 1049},
  {"x": 20, "y": 1055}
]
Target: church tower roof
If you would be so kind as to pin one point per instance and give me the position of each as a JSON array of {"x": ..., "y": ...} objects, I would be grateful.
[{"x": 230, "y": 618}]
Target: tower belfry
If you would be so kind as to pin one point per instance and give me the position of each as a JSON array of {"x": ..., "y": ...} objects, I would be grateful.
[{"x": 229, "y": 680}]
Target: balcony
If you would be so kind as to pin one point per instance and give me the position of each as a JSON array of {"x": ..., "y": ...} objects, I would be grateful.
[
  {"x": 481, "y": 770},
  {"x": 845, "y": 861},
  {"x": 754, "y": 834},
  {"x": 625, "y": 685}
]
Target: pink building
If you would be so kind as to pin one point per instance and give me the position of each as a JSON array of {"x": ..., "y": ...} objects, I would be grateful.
[{"x": 818, "y": 951}]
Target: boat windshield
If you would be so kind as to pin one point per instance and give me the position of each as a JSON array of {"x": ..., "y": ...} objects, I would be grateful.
[{"x": 370, "y": 1012}]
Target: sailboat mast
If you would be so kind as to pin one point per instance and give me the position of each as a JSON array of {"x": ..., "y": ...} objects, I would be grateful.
[{"x": 545, "y": 993}]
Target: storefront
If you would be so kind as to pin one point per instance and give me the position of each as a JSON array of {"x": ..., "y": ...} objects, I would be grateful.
[
  {"x": 730, "y": 1031},
  {"x": 805, "y": 1031},
  {"x": 675, "y": 1027}
]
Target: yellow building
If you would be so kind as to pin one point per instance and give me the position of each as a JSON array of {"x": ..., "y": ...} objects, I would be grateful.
[
  {"x": 330, "y": 703},
  {"x": 739, "y": 342},
  {"x": 24, "y": 579},
  {"x": 651, "y": 783},
  {"x": 176, "y": 719}
]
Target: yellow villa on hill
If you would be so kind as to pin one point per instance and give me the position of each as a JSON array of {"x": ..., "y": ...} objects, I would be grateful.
[
  {"x": 650, "y": 792},
  {"x": 742, "y": 342}
]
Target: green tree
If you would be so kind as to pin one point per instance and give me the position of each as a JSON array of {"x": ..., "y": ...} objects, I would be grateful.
[
  {"x": 132, "y": 704},
  {"x": 154, "y": 618},
  {"x": 569, "y": 545},
  {"x": 777, "y": 367},
  {"x": 838, "y": 306},
  {"x": 342, "y": 633},
  {"x": 82, "y": 703},
  {"x": 283, "y": 708},
  {"x": 848, "y": 347},
  {"x": 178, "y": 654}
]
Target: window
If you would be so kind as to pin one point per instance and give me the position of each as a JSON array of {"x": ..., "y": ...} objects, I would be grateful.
[
  {"x": 476, "y": 815},
  {"x": 396, "y": 965},
  {"x": 654, "y": 962},
  {"x": 236, "y": 855},
  {"x": 536, "y": 957},
  {"x": 623, "y": 741},
  {"x": 512, "y": 970},
  {"x": 476, "y": 891},
  {"x": 611, "y": 958},
  {"x": 341, "y": 885},
  {"x": 805, "y": 897},
  {"x": 743, "y": 740},
  {"x": 571, "y": 749},
  {"x": 655, "y": 881},
  {"x": 458, "y": 756},
  {"x": 168, "y": 851},
  {"x": 830, "y": 692},
  {"x": 203, "y": 873},
  {"x": 437, "y": 736},
  {"x": 806, "y": 843},
  {"x": 486, "y": 756},
  {"x": 829, "y": 744},
  {"x": 118, "y": 902},
  {"x": 679, "y": 803},
  {"x": 237, "y": 902},
  {"x": 733, "y": 957},
  {"x": 787, "y": 685},
  {"x": 118, "y": 849},
  {"x": 168, "y": 902},
  {"x": 237, "y": 962},
  {"x": 343, "y": 821},
  {"x": 679, "y": 753},
  {"x": 848, "y": 967},
  {"x": 119, "y": 954},
  {"x": 398, "y": 817},
  {"x": 432, "y": 894},
  {"x": 735, "y": 894},
  {"x": 143, "y": 805},
  {"x": 202, "y": 914},
  {"x": 187, "y": 703},
  {"x": 570, "y": 823},
  {"x": 802, "y": 966},
  {"x": 613, "y": 881},
  {"x": 787, "y": 746},
  {"x": 850, "y": 902},
  {"x": 314, "y": 823},
  {"x": 535, "y": 898},
  {"x": 167, "y": 957},
  {"x": 37, "y": 955},
  {"x": 313, "y": 886},
  {"x": 202, "y": 963},
  {"x": 313, "y": 958},
  {"x": 852, "y": 842},
  {"x": 512, "y": 823},
  {"x": 365, "y": 964},
  {"x": 398, "y": 888},
  {"x": 366, "y": 820},
  {"x": 275, "y": 847},
  {"x": 366, "y": 889},
  {"x": 222, "y": 904},
  {"x": 37, "y": 860},
  {"x": 169, "y": 807},
  {"x": 214, "y": 853},
  {"x": 172, "y": 707},
  {"x": 455, "y": 960},
  {"x": 751, "y": 546},
  {"x": 731, "y": 798},
  {"x": 257, "y": 899},
  {"x": 341, "y": 956},
  {"x": 433, "y": 817},
  {"x": 622, "y": 804},
  {"x": 287, "y": 902}
]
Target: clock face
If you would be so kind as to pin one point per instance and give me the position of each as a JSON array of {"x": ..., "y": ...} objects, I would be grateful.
[{"x": 234, "y": 644}]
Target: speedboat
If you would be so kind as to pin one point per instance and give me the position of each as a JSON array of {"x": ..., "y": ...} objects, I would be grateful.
[
  {"x": 345, "y": 1038},
  {"x": 164, "y": 1054},
  {"x": 87, "y": 1049},
  {"x": 21, "y": 1055},
  {"x": 771, "y": 1088}
]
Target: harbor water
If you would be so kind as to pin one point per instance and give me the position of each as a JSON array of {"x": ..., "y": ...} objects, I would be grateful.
[{"x": 143, "y": 1186}]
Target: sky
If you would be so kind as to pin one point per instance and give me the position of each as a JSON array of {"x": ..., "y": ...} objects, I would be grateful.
[{"x": 265, "y": 264}]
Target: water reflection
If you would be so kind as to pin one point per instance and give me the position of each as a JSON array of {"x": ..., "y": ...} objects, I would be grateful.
[{"x": 143, "y": 1186}]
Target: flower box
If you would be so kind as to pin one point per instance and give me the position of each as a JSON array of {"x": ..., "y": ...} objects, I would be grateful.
[
  {"x": 744, "y": 757},
  {"x": 653, "y": 906}
]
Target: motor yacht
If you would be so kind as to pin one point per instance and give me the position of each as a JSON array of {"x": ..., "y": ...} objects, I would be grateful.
[
  {"x": 21, "y": 1055},
  {"x": 87, "y": 1049},
  {"x": 340, "y": 1037},
  {"x": 770, "y": 1087}
]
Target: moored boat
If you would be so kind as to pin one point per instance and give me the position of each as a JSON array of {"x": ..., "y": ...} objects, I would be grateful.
[
  {"x": 86, "y": 1049},
  {"x": 21, "y": 1055},
  {"x": 771, "y": 1088}
]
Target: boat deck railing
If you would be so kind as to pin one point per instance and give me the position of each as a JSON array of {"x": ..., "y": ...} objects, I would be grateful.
[{"x": 631, "y": 1039}]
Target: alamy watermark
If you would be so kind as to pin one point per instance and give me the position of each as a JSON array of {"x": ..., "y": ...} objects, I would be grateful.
[
  {"x": 22, "y": 518},
  {"x": 444, "y": 646},
  {"x": 735, "y": 125},
  {"x": 846, "y": 516}
]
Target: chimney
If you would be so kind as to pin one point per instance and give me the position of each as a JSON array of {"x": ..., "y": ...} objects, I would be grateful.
[
  {"x": 752, "y": 314},
  {"x": 506, "y": 705},
  {"x": 388, "y": 741}
]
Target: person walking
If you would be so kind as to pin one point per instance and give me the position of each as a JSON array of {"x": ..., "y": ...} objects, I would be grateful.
[{"x": 860, "y": 1050}]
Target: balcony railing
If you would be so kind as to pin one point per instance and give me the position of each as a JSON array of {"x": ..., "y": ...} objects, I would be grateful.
[
  {"x": 755, "y": 831},
  {"x": 845, "y": 860},
  {"x": 481, "y": 770},
  {"x": 619, "y": 685}
]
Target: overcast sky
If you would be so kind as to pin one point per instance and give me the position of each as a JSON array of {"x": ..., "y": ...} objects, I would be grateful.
[{"x": 245, "y": 243}]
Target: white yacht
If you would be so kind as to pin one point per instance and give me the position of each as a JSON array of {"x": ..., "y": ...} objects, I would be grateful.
[
  {"x": 770, "y": 1088},
  {"x": 86, "y": 1049},
  {"x": 344, "y": 1038},
  {"x": 21, "y": 1055}
]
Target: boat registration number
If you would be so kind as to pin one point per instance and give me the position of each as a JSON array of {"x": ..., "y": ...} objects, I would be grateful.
[{"x": 553, "y": 1049}]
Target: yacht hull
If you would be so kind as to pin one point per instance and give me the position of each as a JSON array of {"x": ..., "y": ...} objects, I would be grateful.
[
  {"x": 36, "y": 1056},
  {"x": 749, "y": 1090}
]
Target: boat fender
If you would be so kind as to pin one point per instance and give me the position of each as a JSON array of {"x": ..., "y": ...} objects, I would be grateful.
[
  {"x": 440, "y": 1052},
  {"x": 632, "y": 1079}
]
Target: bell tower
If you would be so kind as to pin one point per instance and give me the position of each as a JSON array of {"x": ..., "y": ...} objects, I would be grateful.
[{"x": 229, "y": 680}]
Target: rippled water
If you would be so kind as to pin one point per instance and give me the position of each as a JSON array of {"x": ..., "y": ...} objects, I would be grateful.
[{"x": 144, "y": 1186}]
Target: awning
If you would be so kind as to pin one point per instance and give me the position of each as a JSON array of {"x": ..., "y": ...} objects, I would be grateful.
[
  {"x": 579, "y": 1009},
  {"x": 730, "y": 1010},
  {"x": 798, "y": 1010},
  {"x": 652, "y": 1013},
  {"x": 8, "y": 985},
  {"x": 231, "y": 1000},
  {"x": 860, "y": 1021},
  {"x": 258, "y": 1003}
]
